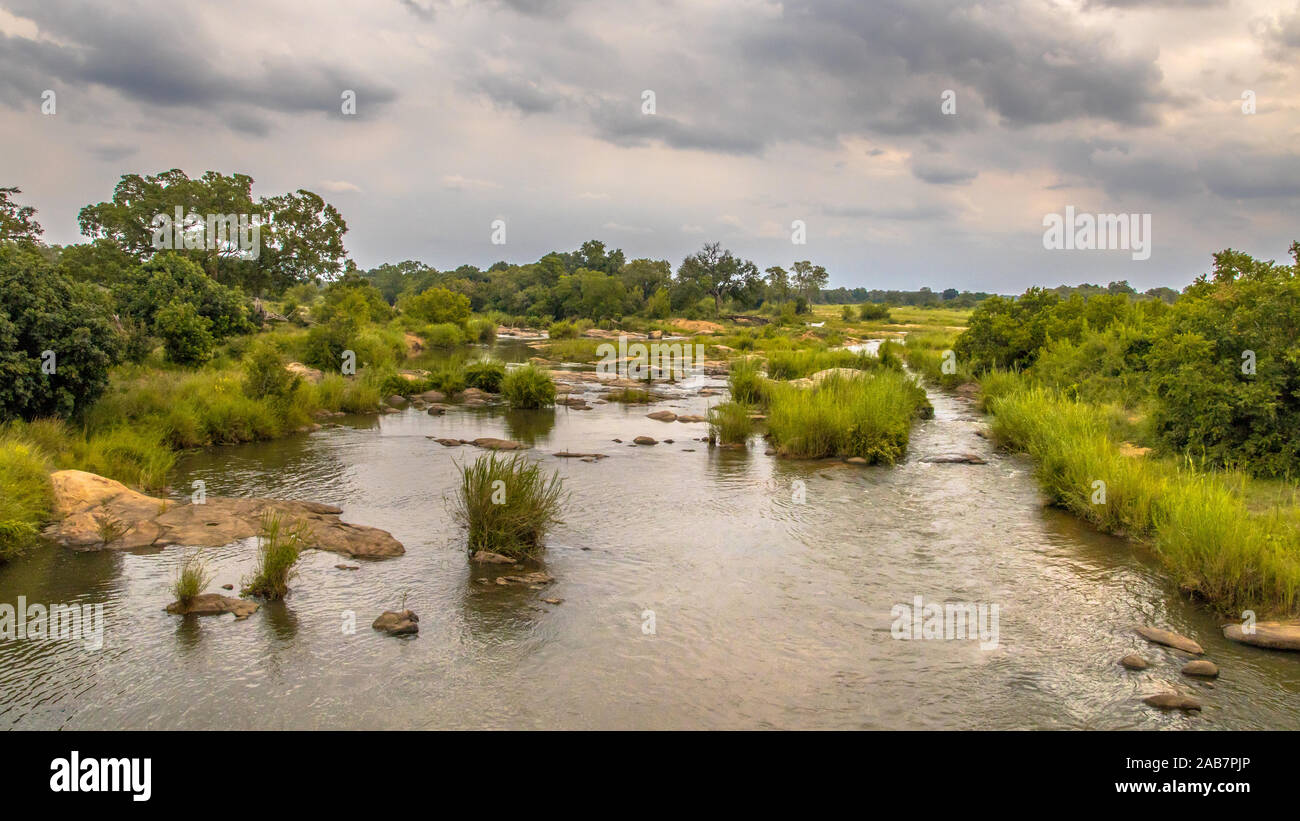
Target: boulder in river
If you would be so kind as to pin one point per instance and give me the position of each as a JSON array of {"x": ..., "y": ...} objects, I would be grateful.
[
  {"x": 1274, "y": 635},
  {"x": 213, "y": 604},
  {"x": 1201, "y": 667},
  {"x": 1170, "y": 639},
  {"x": 662, "y": 416},
  {"x": 955, "y": 459},
  {"x": 397, "y": 624},
  {"x": 1134, "y": 662},
  {"x": 498, "y": 444},
  {"x": 87, "y": 506},
  {"x": 431, "y": 396},
  {"x": 688, "y": 417},
  {"x": 488, "y": 557},
  {"x": 1173, "y": 701},
  {"x": 645, "y": 440}
]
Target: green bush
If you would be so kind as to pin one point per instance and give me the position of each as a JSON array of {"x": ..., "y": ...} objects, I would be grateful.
[
  {"x": 562, "y": 330},
  {"x": 483, "y": 331},
  {"x": 486, "y": 375},
  {"x": 507, "y": 505},
  {"x": 41, "y": 310},
  {"x": 186, "y": 334},
  {"x": 327, "y": 342},
  {"x": 436, "y": 306},
  {"x": 445, "y": 335},
  {"x": 265, "y": 376},
  {"x": 870, "y": 311},
  {"x": 528, "y": 387}
]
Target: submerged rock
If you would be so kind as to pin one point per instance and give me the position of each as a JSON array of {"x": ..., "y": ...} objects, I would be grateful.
[
  {"x": 1170, "y": 639},
  {"x": 87, "y": 505},
  {"x": 488, "y": 557},
  {"x": 498, "y": 444},
  {"x": 213, "y": 604},
  {"x": 397, "y": 624},
  {"x": 447, "y": 443},
  {"x": 1173, "y": 701},
  {"x": 1274, "y": 635},
  {"x": 955, "y": 459},
  {"x": 687, "y": 417},
  {"x": 1201, "y": 667},
  {"x": 537, "y": 577},
  {"x": 1134, "y": 662}
]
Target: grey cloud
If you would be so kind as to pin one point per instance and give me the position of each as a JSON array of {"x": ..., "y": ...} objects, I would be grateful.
[
  {"x": 1233, "y": 174},
  {"x": 942, "y": 172}
]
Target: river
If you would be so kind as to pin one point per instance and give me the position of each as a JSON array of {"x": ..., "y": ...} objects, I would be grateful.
[{"x": 701, "y": 589}]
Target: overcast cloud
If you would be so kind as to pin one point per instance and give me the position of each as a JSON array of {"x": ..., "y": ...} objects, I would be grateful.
[{"x": 826, "y": 111}]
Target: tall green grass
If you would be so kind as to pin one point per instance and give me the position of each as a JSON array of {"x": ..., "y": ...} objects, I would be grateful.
[
  {"x": 869, "y": 416},
  {"x": 507, "y": 504},
  {"x": 191, "y": 577},
  {"x": 278, "y": 549},
  {"x": 745, "y": 379},
  {"x": 25, "y": 493},
  {"x": 1198, "y": 523},
  {"x": 798, "y": 364},
  {"x": 528, "y": 387},
  {"x": 731, "y": 423}
]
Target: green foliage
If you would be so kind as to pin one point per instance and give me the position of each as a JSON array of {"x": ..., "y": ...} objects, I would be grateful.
[
  {"x": 41, "y": 310},
  {"x": 797, "y": 364},
  {"x": 507, "y": 504},
  {"x": 730, "y": 423},
  {"x": 486, "y": 375},
  {"x": 562, "y": 330},
  {"x": 446, "y": 335},
  {"x": 629, "y": 396},
  {"x": 191, "y": 577},
  {"x": 1206, "y": 401},
  {"x": 26, "y": 497},
  {"x": 483, "y": 331},
  {"x": 528, "y": 387},
  {"x": 869, "y": 416},
  {"x": 185, "y": 333},
  {"x": 327, "y": 342},
  {"x": 436, "y": 306},
  {"x": 870, "y": 311},
  {"x": 278, "y": 549},
  {"x": 170, "y": 277},
  {"x": 265, "y": 376},
  {"x": 746, "y": 381}
]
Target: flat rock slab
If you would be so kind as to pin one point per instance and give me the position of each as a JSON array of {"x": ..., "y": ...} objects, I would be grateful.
[
  {"x": 214, "y": 604},
  {"x": 1173, "y": 701},
  {"x": 488, "y": 557},
  {"x": 537, "y": 577},
  {"x": 1274, "y": 635},
  {"x": 84, "y": 500},
  {"x": 498, "y": 444},
  {"x": 564, "y": 454},
  {"x": 397, "y": 624},
  {"x": 1170, "y": 639},
  {"x": 689, "y": 417},
  {"x": 955, "y": 459},
  {"x": 447, "y": 443}
]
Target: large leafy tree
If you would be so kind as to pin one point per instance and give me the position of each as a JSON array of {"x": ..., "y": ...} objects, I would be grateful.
[
  {"x": 717, "y": 272},
  {"x": 1225, "y": 375},
  {"x": 43, "y": 311},
  {"x": 300, "y": 238},
  {"x": 17, "y": 222},
  {"x": 808, "y": 279}
]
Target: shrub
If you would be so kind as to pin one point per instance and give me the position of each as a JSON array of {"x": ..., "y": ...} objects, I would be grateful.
[
  {"x": 731, "y": 423},
  {"x": 870, "y": 311},
  {"x": 528, "y": 387},
  {"x": 327, "y": 342},
  {"x": 436, "y": 305},
  {"x": 562, "y": 330},
  {"x": 507, "y": 505},
  {"x": 847, "y": 313},
  {"x": 41, "y": 310},
  {"x": 186, "y": 334},
  {"x": 486, "y": 375},
  {"x": 629, "y": 396},
  {"x": 265, "y": 376},
  {"x": 278, "y": 549},
  {"x": 191, "y": 577},
  {"x": 483, "y": 331},
  {"x": 445, "y": 335}
]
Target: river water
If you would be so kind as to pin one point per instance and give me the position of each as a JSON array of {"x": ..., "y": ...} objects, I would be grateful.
[{"x": 701, "y": 589}]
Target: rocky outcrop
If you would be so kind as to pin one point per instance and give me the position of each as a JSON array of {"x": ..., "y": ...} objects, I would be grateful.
[
  {"x": 89, "y": 507},
  {"x": 213, "y": 604},
  {"x": 404, "y": 623},
  {"x": 308, "y": 374},
  {"x": 1170, "y": 639},
  {"x": 1274, "y": 635}
]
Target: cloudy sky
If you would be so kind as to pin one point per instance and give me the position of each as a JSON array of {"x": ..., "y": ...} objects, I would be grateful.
[{"x": 825, "y": 111}]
